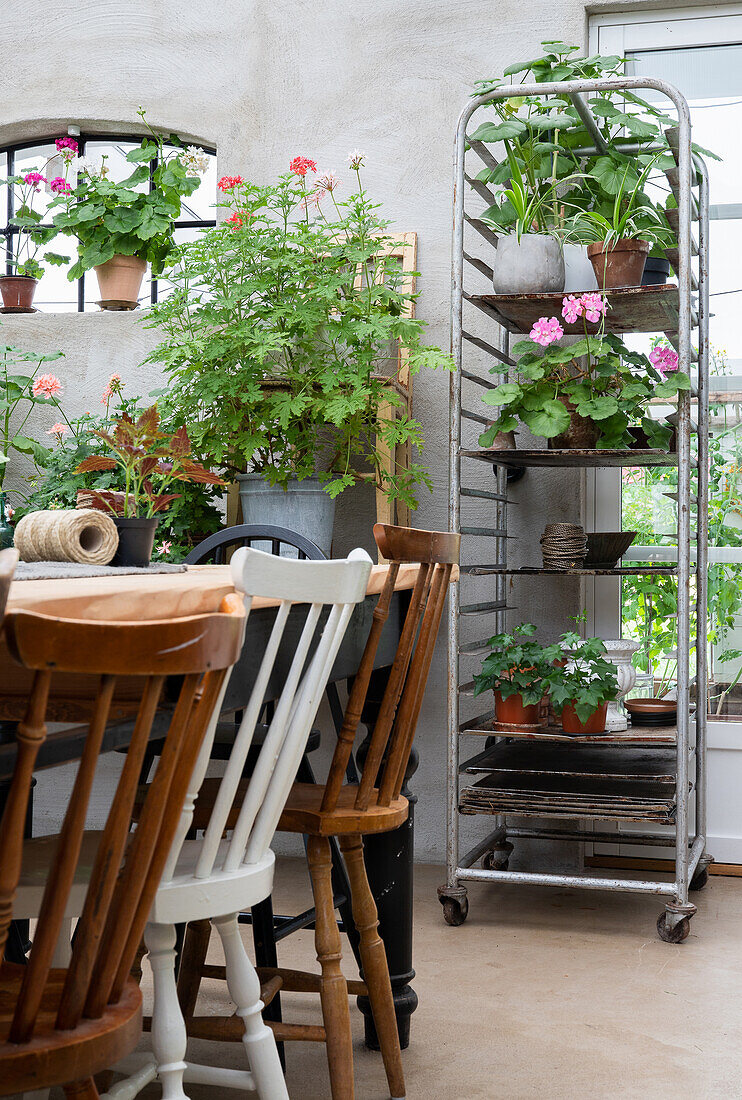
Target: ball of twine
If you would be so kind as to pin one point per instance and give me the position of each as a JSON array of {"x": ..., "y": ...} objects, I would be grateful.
[
  {"x": 563, "y": 546},
  {"x": 82, "y": 535}
]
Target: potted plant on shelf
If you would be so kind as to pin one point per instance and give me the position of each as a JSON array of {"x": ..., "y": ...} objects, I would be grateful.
[
  {"x": 519, "y": 671},
  {"x": 586, "y": 395},
  {"x": 583, "y": 685},
  {"x": 277, "y": 341},
  {"x": 22, "y": 390},
  {"x": 147, "y": 461},
  {"x": 620, "y": 234},
  {"x": 26, "y": 240},
  {"x": 123, "y": 226}
]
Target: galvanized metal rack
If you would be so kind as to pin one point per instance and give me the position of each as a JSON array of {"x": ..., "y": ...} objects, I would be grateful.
[{"x": 647, "y": 775}]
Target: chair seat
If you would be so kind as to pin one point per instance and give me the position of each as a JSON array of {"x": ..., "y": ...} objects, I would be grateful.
[
  {"x": 60, "y": 1057},
  {"x": 182, "y": 899},
  {"x": 302, "y": 813}
]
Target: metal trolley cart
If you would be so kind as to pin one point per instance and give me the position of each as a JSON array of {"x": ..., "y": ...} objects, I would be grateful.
[{"x": 641, "y": 775}]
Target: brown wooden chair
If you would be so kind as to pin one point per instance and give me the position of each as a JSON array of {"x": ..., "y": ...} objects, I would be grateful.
[
  {"x": 348, "y": 812},
  {"x": 60, "y": 1026}
]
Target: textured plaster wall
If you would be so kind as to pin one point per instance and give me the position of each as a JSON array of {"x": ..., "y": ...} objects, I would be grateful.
[{"x": 263, "y": 80}]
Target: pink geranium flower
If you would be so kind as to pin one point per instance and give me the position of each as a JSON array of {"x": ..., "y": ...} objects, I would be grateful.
[
  {"x": 60, "y": 186},
  {"x": 328, "y": 182},
  {"x": 59, "y": 429},
  {"x": 571, "y": 308},
  {"x": 33, "y": 179},
  {"x": 165, "y": 547},
  {"x": 664, "y": 359},
  {"x": 301, "y": 165},
  {"x": 47, "y": 385},
  {"x": 67, "y": 146},
  {"x": 226, "y": 183},
  {"x": 546, "y": 330},
  {"x": 594, "y": 305}
]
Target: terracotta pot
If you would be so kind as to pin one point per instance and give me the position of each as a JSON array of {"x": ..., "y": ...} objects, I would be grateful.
[
  {"x": 513, "y": 711},
  {"x": 595, "y": 723},
  {"x": 18, "y": 292},
  {"x": 622, "y": 265},
  {"x": 582, "y": 433},
  {"x": 120, "y": 280}
]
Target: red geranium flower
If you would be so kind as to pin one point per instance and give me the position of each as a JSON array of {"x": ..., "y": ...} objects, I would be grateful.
[
  {"x": 235, "y": 221},
  {"x": 301, "y": 165},
  {"x": 226, "y": 183}
]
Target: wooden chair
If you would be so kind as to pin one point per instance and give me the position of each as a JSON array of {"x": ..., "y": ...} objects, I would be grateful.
[
  {"x": 8, "y": 562},
  {"x": 60, "y": 1026},
  {"x": 349, "y": 811},
  {"x": 215, "y": 878}
]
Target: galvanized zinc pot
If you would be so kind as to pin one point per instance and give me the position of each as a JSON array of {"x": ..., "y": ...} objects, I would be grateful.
[
  {"x": 532, "y": 265},
  {"x": 303, "y": 507}
]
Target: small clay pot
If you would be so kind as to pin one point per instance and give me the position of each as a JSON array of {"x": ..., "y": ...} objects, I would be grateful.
[
  {"x": 120, "y": 281},
  {"x": 17, "y": 292},
  {"x": 513, "y": 711},
  {"x": 582, "y": 433},
  {"x": 620, "y": 266},
  {"x": 595, "y": 724},
  {"x": 136, "y": 539}
]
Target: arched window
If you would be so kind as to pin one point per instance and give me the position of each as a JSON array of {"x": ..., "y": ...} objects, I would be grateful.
[{"x": 55, "y": 292}]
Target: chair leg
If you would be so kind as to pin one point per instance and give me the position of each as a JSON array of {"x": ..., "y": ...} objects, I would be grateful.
[
  {"x": 169, "y": 1039},
  {"x": 375, "y": 967},
  {"x": 334, "y": 989},
  {"x": 81, "y": 1090},
  {"x": 192, "y": 959},
  {"x": 266, "y": 955},
  {"x": 244, "y": 989}
]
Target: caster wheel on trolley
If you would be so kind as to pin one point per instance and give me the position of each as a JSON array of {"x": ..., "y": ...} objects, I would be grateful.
[
  {"x": 493, "y": 861},
  {"x": 699, "y": 880},
  {"x": 677, "y": 933},
  {"x": 455, "y": 910}
]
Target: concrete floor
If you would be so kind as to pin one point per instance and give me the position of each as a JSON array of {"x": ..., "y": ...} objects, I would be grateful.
[{"x": 541, "y": 993}]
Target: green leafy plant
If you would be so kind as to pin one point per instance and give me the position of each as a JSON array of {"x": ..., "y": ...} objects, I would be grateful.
[
  {"x": 287, "y": 332},
  {"x": 32, "y": 234},
  {"x": 598, "y": 377},
  {"x": 134, "y": 217},
  {"x": 587, "y": 679},
  {"x": 518, "y": 665},
  {"x": 22, "y": 390},
  {"x": 147, "y": 462},
  {"x": 631, "y": 215}
]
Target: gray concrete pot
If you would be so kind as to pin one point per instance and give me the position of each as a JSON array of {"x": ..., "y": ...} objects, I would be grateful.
[
  {"x": 303, "y": 507},
  {"x": 533, "y": 265}
]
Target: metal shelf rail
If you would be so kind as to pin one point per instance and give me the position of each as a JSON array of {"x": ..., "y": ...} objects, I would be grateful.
[{"x": 646, "y": 774}]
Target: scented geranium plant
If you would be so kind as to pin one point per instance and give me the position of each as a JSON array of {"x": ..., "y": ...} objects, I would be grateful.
[
  {"x": 598, "y": 377},
  {"x": 587, "y": 679},
  {"x": 25, "y": 384},
  {"x": 133, "y": 217},
  {"x": 286, "y": 330},
  {"x": 29, "y": 206},
  {"x": 518, "y": 665},
  {"x": 147, "y": 462}
]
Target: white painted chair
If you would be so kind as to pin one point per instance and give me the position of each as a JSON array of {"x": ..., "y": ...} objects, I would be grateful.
[{"x": 216, "y": 878}]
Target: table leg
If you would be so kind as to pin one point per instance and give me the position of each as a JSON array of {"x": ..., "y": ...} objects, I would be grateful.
[{"x": 389, "y": 865}]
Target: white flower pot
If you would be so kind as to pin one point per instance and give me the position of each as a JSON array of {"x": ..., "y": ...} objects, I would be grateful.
[
  {"x": 533, "y": 265},
  {"x": 578, "y": 270},
  {"x": 619, "y": 652}
]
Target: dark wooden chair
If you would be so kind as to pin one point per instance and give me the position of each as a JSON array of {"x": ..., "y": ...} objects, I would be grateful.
[
  {"x": 348, "y": 811},
  {"x": 61, "y": 1026}
]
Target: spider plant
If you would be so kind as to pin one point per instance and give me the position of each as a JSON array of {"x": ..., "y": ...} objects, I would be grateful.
[{"x": 631, "y": 216}]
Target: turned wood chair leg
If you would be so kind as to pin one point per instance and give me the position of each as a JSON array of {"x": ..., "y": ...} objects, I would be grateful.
[
  {"x": 192, "y": 959},
  {"x": 333, "y": 988},
  {"x": 82, "y": 1090},
  {"x": 244, "y": 989},
  {"x": 266, "y": 955},
  {"x": 375, "y": 967},
  {"x": 169, "y": 1039}
]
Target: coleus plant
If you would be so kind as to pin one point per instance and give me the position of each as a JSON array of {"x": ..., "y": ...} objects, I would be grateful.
[
  {"x": 586, "y": 680},
  {"x": 598, "y": 377},
  {"x": 518, "y": 665},
  {"x": 149, "y": 460}
]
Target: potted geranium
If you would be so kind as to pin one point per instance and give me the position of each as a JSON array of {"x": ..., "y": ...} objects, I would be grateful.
[
  {"x": 277, "y": 341},
  {"x": 588, "y": 394},
  {"x": 519, "y": 671},
  {"x": 583, "y": 685},
  {"x": 120, "y": 227},
  {"x": 19, "y": 285},
  {"x": 148, "y": 461}
]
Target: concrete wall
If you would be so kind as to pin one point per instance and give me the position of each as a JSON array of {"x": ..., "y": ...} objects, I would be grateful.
[{"x": 264, "y": 80}]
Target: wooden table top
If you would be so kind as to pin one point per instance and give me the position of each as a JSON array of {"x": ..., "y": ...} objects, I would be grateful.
[{"x": 152, "y": 595}]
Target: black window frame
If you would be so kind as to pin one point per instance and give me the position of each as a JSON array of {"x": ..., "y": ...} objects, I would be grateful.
[{"x": 8, "y": 230}]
